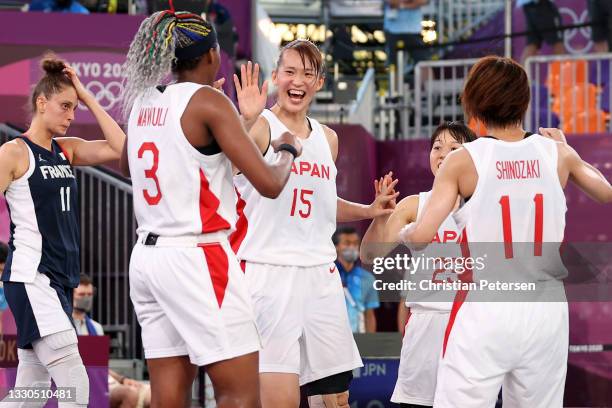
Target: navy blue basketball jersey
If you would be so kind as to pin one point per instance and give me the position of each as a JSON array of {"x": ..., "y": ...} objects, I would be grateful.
[{"x": 43, "y": 207}]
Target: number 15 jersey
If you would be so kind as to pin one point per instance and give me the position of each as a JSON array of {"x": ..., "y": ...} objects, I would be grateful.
[
  {"x": 177, "y": 189},
  {"x": 295, "y": 228}
]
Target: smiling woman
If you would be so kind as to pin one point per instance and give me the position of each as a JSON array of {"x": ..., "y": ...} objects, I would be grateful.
[
  {"x": 184, "y": 139},
  {"x": 299, "y": 58},
  {"x": 424, "y": 309},
  {"x": 298, "y": 346},
  {"x": 42, "y": 266},
  {"x": 507, "y": 204}
]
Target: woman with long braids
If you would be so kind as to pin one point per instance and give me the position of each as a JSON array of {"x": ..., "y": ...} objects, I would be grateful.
[
  {"x": 36, "y": 176},
  {"x": 185, "y": 282}
]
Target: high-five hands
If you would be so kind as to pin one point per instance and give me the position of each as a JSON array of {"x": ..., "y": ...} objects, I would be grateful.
[
  {"x": 251, "y": 99},
  {"x": 385, "y": 196}
]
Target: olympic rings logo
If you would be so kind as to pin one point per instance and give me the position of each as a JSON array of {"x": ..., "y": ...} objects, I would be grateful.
[
  {"x": 107, "y": 95},
  {"x": 569, "y": 35}
]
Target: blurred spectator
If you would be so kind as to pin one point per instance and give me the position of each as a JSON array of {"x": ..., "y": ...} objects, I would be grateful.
[
  {"x": 66, "y": 6},
  {"x": 82, "y": 303},
  {"x": 361, "y": 297},
  {"x": 123, "y": 392},
  {"x": 600, "y": 13},
  {"x": 3, "y": 304},
  {"x": 220, "y": 17},
  {"x": 114, "y": 6},
  {"x": 342, "y": 49},
  {"x": 402, "y": 26},
  {"x": 543, "y": 22}
]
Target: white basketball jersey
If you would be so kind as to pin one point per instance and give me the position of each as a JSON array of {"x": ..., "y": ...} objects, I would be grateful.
[
  {"x": 177, "y": 190},
  {"x": 295, "y": 228},
  {"x": 516, "y": 215},
  {"x": 444, "y": 245}
]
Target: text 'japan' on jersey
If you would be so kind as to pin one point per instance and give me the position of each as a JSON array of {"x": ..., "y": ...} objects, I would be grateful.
[{"x": 295, "y": 228}]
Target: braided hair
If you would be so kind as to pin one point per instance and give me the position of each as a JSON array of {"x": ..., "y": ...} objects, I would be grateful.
[{"x": 166, "y": 42}]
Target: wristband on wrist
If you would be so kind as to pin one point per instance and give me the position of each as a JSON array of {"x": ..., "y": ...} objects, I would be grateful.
[{"x": 288, "y": 148}]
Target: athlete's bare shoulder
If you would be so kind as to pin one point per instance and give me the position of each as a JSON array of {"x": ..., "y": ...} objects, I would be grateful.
[
  {"x": 459, "y": 158},
  {"x": 567, "y": 163},
  {"x": 330, "y": 134},
  {"x": 332, "y": 139},
  {"x": 15, "y": 146},
  {"x": 260, "y": 133},
  {"x": 567, "y": 157},
  {"x": 459, "y": 168},
  {"x": 566, "y": 152},
  {"x": 207, "y": 109},
  {"x": 15, "y": 150},
  {"x": 210, "y": 97},
  {"x": 261, "y": 123},
  {"x": 406, "y": 210},
  {"x": 408, "y": 207},
  {"x": 404, "y": 213},
  {"x": 14, "y": 162}
]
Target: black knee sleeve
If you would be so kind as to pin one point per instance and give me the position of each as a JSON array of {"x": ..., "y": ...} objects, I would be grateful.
[{"x": 334, "y": 384}]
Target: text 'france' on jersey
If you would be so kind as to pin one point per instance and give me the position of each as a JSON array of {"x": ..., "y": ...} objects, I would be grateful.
[{"x": 43, "y": 206}]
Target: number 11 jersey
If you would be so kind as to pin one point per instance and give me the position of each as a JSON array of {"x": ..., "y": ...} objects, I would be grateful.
[
  {"x": 43, "y": 205},
  {"x": 518, "y": 201},
  {"x": 295, "y": 228},
  {"x": 178, "y": 189}
]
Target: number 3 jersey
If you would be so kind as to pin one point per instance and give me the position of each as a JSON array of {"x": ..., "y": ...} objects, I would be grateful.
[
  {"x": 295, "y": 228},
  {"x": 177, "y": 189},
  {"x": 515, "y": 218},
  {"x": 43, "y": 206}
]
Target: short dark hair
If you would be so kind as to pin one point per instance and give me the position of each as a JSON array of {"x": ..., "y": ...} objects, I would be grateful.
[
  {"x": 458, "y": 130},
  {"x": 3, "y": 252},
  {"x": 348, "y": 230},
  {"x": 496, "y": 92},
  {"x": 84, "y": 279}
]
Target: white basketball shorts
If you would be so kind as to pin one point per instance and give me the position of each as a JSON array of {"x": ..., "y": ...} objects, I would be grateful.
[
  {"x": 520, "y": 347},
  {"x": 420, "y": 357},
  {"x": 302, "y": 318},
  {"x": 190, "y": 297}
]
